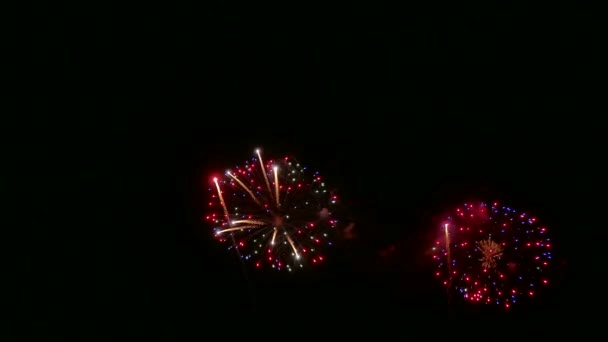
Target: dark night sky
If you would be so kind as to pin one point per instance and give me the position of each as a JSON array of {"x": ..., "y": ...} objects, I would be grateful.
[{"x": 407, "y": 111}]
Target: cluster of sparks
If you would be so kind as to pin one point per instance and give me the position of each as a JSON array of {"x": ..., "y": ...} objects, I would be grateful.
[
  {"x": 275, "y": 213},
  {"x": 490, "y": 251},
  {"x": 493, "y": 254}
]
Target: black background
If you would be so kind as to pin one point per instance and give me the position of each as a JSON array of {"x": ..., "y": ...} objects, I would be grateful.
[{"x": 408, "y": 111}]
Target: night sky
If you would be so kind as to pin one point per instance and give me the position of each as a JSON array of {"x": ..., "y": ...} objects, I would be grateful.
[{"x": 407, "y": 112}]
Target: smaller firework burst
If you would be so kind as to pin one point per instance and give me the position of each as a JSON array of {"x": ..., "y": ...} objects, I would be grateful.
[{"x": 493, "y": 254}]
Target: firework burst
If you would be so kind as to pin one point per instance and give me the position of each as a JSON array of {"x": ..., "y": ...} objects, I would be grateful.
[
  {"x": 493, "y": 254},
  {"x": 275, "y": 213}
]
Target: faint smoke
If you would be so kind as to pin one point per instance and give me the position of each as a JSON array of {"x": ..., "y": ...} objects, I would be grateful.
[
  {"x": 324, "y": 214},
  {"x": 349, "y": 232}
]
